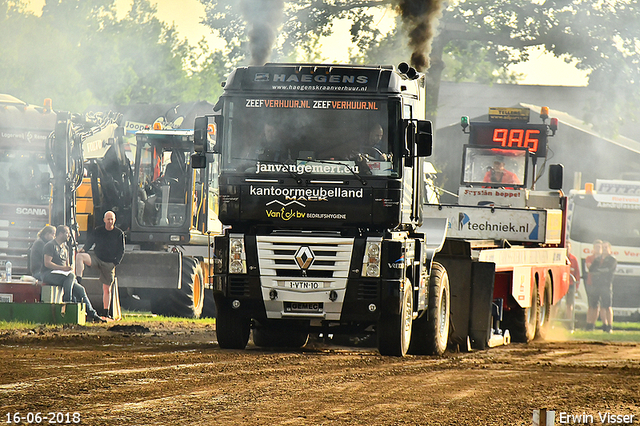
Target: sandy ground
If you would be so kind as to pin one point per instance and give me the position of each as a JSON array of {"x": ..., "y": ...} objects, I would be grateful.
[{"x": 175, "y": 374}]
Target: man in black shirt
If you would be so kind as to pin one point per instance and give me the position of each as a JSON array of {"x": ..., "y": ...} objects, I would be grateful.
[
  {"x": 58, "y": 271},
  {"x": 602, "y": 271},
  {"x": 108, "y": 253}
]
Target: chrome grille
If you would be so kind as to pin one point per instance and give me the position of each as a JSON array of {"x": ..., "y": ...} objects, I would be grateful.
[{"x": 276, "y": 256}]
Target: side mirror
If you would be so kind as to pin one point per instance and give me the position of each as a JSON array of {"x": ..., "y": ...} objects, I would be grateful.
[
  {"x": 198, "y": 161},
  {"x": 556, "y": 175},
  {"x": 200, "y": 135},
  {"x": 425, "y": 138}
]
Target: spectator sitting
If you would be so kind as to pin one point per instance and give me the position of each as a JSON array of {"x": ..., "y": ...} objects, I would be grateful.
[
  {"x": 57, "y": 271},
  {"x": 36, "y": 252}
]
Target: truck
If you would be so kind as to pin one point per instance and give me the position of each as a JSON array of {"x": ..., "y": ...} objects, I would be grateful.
[
  {"x": 328, "y": 230},
  {"x": 505, "y": 222},
  {"x": 25, "y": 177},
  {"x": 609, "y": 211}
]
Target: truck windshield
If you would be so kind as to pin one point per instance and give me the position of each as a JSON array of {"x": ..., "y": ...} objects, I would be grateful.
[
  {"x": 621, "y": 227},
  {"x": 309, "y": 136},
  {"x": 24, "y": 173},
  {"x": 494, "y": 167}
]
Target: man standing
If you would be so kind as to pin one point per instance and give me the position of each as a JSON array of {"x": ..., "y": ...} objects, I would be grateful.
[
  {"x": 602, "y": 270},
  {"x": 58, "y": 271},
  {"x": 573, "y": 287},
  {"x": 592, "y": 297},
  {"x": 108, "y": 253}
]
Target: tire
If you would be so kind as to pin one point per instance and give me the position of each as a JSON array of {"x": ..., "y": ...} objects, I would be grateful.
[
  {"x": 232, "y": 329},
  {"x": 187, "y": 301},
  {"x": 430, "y": 334},
  {"x": 544, "y": 314},
  {"x": 394, "y": 330},
  {"x": 285, "y": 334},
  {"x": 523, "y": 322}
]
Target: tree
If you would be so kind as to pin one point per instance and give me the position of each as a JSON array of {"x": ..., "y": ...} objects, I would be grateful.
[
  {"x": 478, "y": 39},
  {"x": 79, "y": 54}
]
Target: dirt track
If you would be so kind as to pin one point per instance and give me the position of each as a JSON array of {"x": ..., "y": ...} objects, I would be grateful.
[{"x": 177, "y": 375}]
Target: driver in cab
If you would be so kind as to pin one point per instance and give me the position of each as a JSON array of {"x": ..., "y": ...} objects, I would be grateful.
[
  {"x": 375, "y": 149},
  {"x": 499, "y": 174}
]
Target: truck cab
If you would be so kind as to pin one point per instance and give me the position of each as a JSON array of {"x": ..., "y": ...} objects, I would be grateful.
[{"x": 321, "y": 194}]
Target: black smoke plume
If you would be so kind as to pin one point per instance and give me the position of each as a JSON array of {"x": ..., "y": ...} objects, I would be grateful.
[
  {"x": 263, "y": 19},
  {"x": 420, "y": 18}
]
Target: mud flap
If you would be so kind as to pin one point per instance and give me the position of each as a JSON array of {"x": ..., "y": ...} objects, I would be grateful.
[
  {"x": 471, "y": 285},
  {"x": 459, "y": 270},
  {"x": 480, "y": 318}
]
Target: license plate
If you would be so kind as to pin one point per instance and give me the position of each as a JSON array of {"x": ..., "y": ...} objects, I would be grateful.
[
  {"x": 303, "y": 307},
  {"x": 303, "y": 285}
]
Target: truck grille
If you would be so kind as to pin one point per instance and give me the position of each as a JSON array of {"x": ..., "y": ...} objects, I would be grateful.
[
  {"x": 626, "y": 291},
  {"x": 331, "y": 256}
]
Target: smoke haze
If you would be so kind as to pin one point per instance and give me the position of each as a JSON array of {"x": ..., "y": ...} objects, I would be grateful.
[
  {"x": 263, "y": 18},
  {"x": 420, "y": 18}
]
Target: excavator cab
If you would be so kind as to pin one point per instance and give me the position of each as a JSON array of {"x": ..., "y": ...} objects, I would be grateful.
[{"x": 163, "y": 179}]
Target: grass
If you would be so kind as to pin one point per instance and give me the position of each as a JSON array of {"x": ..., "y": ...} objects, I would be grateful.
[
  {"x": 127, "y": 318},
  {"x": 132, "y": 317},
  {"x": 622, "y": 332}
]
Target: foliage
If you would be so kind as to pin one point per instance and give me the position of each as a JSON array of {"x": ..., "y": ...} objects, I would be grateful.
[
  {"x": 602, "y": 37},
  {"x": 476, "y": 41},
  {"x": 79, "y": 53}
]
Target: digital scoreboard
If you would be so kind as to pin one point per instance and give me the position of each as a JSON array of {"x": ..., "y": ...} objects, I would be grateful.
[{"x": 510, "y": 135}]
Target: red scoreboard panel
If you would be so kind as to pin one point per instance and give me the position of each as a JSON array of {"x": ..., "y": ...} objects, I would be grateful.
[{"x": 511, "y": 135}]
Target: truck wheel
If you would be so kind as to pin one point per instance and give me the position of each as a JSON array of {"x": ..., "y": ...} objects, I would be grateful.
[
  {"x": 232, "y": 329},
  {"x": 394, "y": 330},
  {"x": 544, "y": 314},
  {"x": 430, "y": 334},
  {"x": 523, "y": 321},
  {"x": 285, "y": 335}
]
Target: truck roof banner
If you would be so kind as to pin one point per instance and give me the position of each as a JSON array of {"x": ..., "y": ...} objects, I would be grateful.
[
  {"x": 618, "y": 187},
  {"x": 617, "y": 194},
  {"x": 319, "y": 79}
]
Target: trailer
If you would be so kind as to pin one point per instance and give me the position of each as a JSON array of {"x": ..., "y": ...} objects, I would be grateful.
[{"x": 503, "y": 223}]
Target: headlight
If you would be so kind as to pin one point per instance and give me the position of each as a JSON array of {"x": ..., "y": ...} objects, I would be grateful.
[
  {"x": 237, "y": 255},
  {"x": 372, "y": 258}
]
